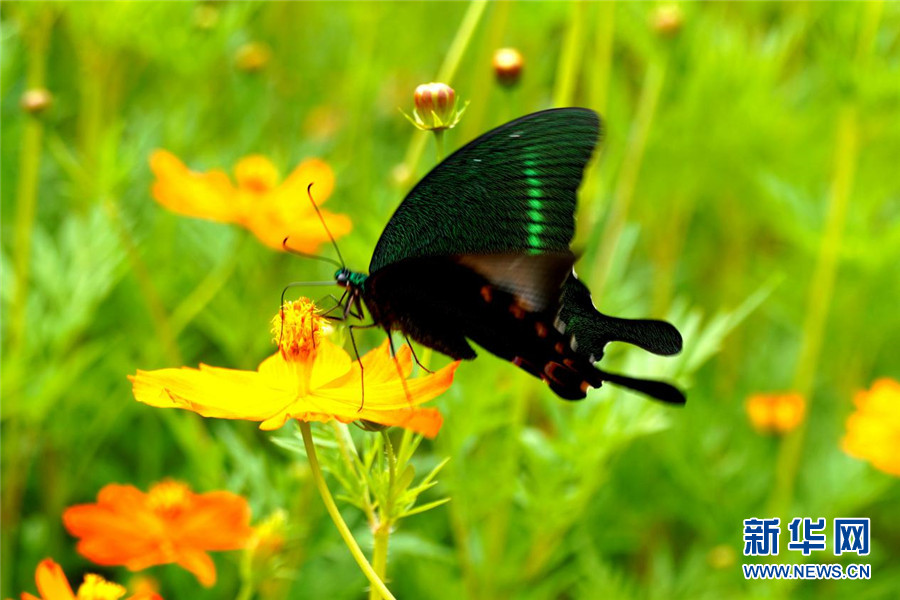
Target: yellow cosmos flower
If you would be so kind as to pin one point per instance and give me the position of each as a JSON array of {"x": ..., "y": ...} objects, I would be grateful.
[
  {"x": 53, "y": 585},
  {"x": 309, "y": 378},
  {"x": 873, "y": 431},
  {"x": 272, "y": 209},
  {"x": 776, "y": 413}
]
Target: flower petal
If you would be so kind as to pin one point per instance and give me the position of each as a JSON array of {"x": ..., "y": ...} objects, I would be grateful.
[
  {"x": 211, "y": 392},
  {"x": 389, "y": 395},
  {"x": 311, "y": 171},
  {"x": 51, "y": 581},
  {"x": 426, "y": 421},
  {"x": 205, "y": 195},
  {"x": 199, "y": 563},
  {"x": 380, "y": 366},
  {"x": 216, "y": 521},
  {"x": 331, "y": 363}
]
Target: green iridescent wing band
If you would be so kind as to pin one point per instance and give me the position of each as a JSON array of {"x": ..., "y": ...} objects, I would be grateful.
[{"x": 512, "y": 190}]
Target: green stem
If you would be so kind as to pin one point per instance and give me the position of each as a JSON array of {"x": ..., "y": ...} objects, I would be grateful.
[
  {"x": 631, "y": 166},
  {"x": 336, "y": 517},
  {"x": 382, "y": 529},
  {"x": 17, "y": 446},
  {"x": 446, "y": 74},
  {"x": 205, "y": 291},
  {"x": 573, "y": 50},
  {"x": 439, "y": 143},
  {"x": 822, "y": 285},
  {"x": 379, "y": 556},
  {"x": 820, "y": 292},
  {"x": 37, "y": 37}
]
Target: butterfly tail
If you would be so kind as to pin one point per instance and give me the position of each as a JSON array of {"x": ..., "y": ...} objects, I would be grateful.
[
  {"x": 570, "y": 378},
  {"x": 658, "y": 390}
]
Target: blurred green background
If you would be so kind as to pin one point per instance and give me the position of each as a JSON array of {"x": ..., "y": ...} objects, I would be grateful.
[{"x": 747, "y": 190}]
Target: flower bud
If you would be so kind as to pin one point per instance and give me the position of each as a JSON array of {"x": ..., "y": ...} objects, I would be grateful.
[
  {"x": 36, "y": 100},
  {"x": 436, "y": 107},
  {"x": 252, "y": 57},
  {"x": 667, "y": 19},
  {"x": 508, "y": 66}
]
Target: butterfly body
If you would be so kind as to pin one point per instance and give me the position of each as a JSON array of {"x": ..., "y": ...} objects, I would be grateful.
[{"x": 479, "y": 252}]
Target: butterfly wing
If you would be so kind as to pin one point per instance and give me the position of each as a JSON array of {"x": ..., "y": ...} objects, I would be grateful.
[
  {"x": 479, "y": 250},
  {"x": 512, "y": 190},
  {"x": 592, "y": 329},
  {"x": 589, "y": 331}
]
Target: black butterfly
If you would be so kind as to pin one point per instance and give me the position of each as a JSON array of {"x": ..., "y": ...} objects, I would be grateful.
[{"x": 479, "y": 251}]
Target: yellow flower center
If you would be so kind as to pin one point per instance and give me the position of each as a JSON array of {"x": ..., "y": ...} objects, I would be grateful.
[
  {"x": 298, "y": 328},
  {"x": 97, "y": 588},
  {"x": 168, "y": 497},
  {"x": 256, "y": 174}
]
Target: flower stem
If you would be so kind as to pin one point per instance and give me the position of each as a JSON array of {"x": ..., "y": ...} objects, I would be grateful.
[
  {"x": 382, "y": 530},
  {"x": 570, "y": 58},
  {"x": 379, "y": 557},
  {"x": 447, "y": 72},
  {"x": 439, "y": 143},
  {"x": 37, "y": 38},
  {"x": 628, "y": 177},
  {"x": 819, "y": 299},
  {"x": 336, "y": 517},
  {"x": 823, "y": 279}
]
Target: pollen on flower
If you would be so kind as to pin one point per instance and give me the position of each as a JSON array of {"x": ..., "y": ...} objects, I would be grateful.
[
  {"x": 97, "y": 588},
  {"x": 168, "y": 497},
  {"x": 298, "y": 329}
]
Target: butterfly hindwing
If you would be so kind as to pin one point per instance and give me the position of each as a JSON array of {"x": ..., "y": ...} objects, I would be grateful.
[
  {"x": 593, "y": 330},
  {"x": 512, "y": 190}
]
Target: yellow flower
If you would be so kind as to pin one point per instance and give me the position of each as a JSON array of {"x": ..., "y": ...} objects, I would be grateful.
[
  {"x": 272, "y": 210},
  {"x": 873, "y": 431},
  {"x": 53, "y": 585},
  {"x": 777, "y": 413},
  {"x": 309, "y": 378}
]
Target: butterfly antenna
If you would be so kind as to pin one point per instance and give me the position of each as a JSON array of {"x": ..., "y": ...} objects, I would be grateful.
[
  {"x": 286, "y": 248},
  {"x": 322, "y": 219}
]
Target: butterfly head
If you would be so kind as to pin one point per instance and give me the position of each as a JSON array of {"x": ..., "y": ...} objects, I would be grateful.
[{"x": 346, "y": 278}]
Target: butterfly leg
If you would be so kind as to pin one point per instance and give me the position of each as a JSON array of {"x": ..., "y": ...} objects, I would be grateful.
[
  {"x": 338, "y": 303},
  {"x": 399, "y": 368},
  {"x": 416, "y": 358},
  {"x": 362, "y": 375}
]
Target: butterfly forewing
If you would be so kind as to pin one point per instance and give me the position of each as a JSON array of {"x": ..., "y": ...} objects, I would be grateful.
[{"x": 512, "y": 190}]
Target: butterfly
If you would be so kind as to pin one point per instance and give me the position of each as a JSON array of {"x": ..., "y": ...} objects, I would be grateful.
[{"x": 479, "y": 252}]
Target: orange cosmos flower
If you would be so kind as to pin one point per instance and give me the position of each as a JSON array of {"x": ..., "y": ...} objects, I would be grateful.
[
  {"x": 168, "y": 524},
  {"x": 273, "y": 211},
  {"x": 53, "y": 585},
  {"x": 309, "y": 378},
  {"x": 873, "y": 431},
  {"x": 776, "y": 413}
]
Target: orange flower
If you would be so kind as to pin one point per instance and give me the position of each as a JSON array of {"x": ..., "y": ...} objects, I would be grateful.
[
  {"x": 168, "y": 524},
  {"x": 53, "y": 585},
  {"x": 776, "y": 413},
  {"x": 873, "y": 431},
  {"x": 271, "y": 210},
  {"x": 310, "y": 379}
]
